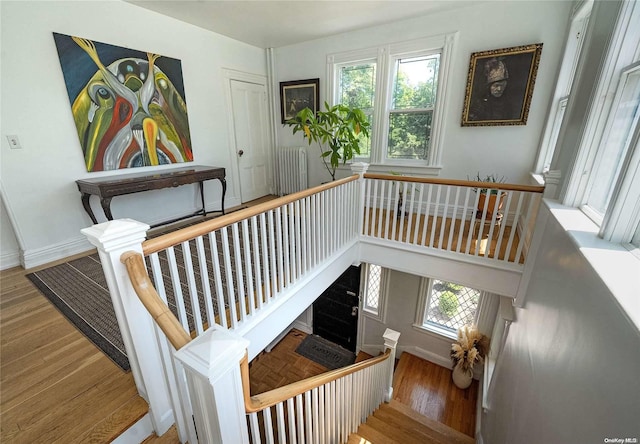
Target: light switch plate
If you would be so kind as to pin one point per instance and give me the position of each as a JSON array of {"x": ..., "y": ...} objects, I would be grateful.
[{"x": 14, "y": 142}]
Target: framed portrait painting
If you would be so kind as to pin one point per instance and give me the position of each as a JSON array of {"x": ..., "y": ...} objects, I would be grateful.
[
  {"x": 298, "y": 95},
  {"x": 500, "y": 86}
]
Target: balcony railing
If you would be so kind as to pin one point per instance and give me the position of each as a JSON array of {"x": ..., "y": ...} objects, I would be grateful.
[{"x": 254, "y": 271}]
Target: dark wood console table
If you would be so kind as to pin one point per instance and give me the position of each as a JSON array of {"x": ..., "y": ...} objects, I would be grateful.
[{"x": 107, "y": 187}]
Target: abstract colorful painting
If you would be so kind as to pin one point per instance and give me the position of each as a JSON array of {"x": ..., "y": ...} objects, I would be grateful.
[{"x": 128, "y": 106}]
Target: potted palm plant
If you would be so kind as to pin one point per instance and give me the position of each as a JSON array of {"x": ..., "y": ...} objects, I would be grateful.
[
  {"x": 338, "y": 131},
  {"x": 469, "y": 350},
  {"x": 491, "y": 194}
]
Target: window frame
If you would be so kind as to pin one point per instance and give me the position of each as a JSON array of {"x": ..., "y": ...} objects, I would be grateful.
[
  {"x": 384, "y": 57},
  {"x": 568, "y": 68},
  {"x": 380, "y": 313},
  {"x": 623, "y": 54},
  {"x": 424, "y": 300},
  {"x": 394, "y": 59}
]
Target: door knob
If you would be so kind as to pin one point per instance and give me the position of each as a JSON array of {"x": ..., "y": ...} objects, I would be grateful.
[{"x": 240, "y": 153}]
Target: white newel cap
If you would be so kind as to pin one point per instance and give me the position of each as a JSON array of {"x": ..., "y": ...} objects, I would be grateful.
[
  {"x": 214, "y": 352},
  {"x": 116, "y": 234},
  {"x": 391, "y": 338},
  {"x": 359, "y": 167}
]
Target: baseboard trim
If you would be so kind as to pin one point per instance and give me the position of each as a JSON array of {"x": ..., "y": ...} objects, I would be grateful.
[
  {"x": 41, "y": 256},
  {"x": 443, "y": 361},
  {"x": 9, "y": 260},
  {"x": 303, "y": 327}
]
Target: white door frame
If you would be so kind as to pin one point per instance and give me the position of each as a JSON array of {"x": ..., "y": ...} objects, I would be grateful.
[{"x": 229, "y": 75}]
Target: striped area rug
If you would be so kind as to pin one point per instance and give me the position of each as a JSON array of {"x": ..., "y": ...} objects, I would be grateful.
[{"x": 79, "y": 290}]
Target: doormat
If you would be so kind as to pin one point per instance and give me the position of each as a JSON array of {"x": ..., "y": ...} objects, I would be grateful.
[{"x": 325, "y": 353}]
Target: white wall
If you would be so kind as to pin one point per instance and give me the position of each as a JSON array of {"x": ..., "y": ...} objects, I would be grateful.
[
  {"x": 569, "y": 369},
  {"x": 401, "y": 307},
  {"x": 508, "y": 151},
  {"x": 39, "y": 180}
]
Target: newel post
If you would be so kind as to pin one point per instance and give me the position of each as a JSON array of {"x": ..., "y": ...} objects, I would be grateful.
[
  {"x": 112, "y": 239},
  {"x": 390, "y": 343},
  {"x": 212, "y": 366},
  {"x": 360, "y": 168}
]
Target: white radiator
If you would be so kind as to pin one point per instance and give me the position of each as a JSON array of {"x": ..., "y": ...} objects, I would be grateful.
[{"x": 292, "y": 170}]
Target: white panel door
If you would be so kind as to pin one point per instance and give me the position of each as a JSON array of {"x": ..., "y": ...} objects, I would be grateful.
[{"x": 250, "y": 120}]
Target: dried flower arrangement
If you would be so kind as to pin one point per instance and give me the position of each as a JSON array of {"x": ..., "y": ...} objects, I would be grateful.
[{"x": 470, "y": 348}]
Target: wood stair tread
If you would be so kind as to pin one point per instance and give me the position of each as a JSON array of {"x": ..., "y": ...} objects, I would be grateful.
[
  {"x": 354, "y": 438},
  {"x": 375, "y": 436},
  {"x": 452, "y": 436},
  {"x": 398, "y": 423}
]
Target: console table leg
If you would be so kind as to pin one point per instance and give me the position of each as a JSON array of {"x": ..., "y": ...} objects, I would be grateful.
[
  {"x": 87, "y": 207},
  {"x": 204, "y": 211},
  {"x": 223, "y": 181},
  {"x": 106, "y": 207}
]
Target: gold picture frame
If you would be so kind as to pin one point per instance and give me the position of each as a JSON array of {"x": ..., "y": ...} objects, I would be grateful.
[{"x": 500, "y": 86}]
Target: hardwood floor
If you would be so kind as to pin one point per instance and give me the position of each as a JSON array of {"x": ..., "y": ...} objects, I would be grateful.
[
  {"x": 55, "y": 385},
  {"x": 428, "y": 389}
]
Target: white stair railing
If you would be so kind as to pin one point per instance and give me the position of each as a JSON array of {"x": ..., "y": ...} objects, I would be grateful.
[
  {"x": 452, "y": 215},
  {"x": 324, "y": 409},
  {"x": 234, "y": 271}
]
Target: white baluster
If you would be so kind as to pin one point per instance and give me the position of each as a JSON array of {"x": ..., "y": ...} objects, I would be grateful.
[
  {"x": 177, "y": 288},
  {"x": 291, "y": 416},
  {"x": 217, "y": 277},
  {"x": 191, "y": 285},
  {"x": 251, "y": 299},
  {"x": 282, "y": 437},
  {"x": 204, "y": 281},
  {"x": 231, "y": 294},
  {"x": 239, "y": 275},
  {"x": 255, "y": 241}
]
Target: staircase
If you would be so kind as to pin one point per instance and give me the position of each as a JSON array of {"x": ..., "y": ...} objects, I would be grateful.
[
  {"x": 396, "y": 423},
  {"x": 422, "y": 384}
]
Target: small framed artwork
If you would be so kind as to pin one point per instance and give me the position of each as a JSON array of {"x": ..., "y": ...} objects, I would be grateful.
[
  {"x": 298, "y": 95},
  {"x": 500, "y": 86}
]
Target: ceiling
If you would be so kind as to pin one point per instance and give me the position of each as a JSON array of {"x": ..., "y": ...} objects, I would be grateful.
[{"x": 271, "y": 24}]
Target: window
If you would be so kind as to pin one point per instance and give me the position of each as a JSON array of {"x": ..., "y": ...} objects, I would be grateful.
[
  {"x": 401, "y": 88},
  {"x": 616, "y": 142},
  {"x": 568, "y": 68},
  {"x": 605, "y": 178},
  {"x": 375, "y": 291},
  {"x": 356, "y": 89},
  {"x": 447, "y": 306}
]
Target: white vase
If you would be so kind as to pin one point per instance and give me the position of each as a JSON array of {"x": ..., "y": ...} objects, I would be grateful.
[{"x": 461, "y": 378}]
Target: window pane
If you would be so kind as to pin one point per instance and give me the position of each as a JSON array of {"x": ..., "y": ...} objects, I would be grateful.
[
  {"x": 373, "y": 288},
  {"x": 415, "y": 82},
  {"x": 357, "y": 86},
  {"x": 357, "y": 89},
  {"x": 610, "y": 161},
  {"x": 409, "y": 135},
  {"x": 451, "y": 305}
]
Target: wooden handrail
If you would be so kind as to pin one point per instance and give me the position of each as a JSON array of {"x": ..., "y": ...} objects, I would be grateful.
[
  {"x": 151, "y": 300},
  {"x": 272, "y": 397},
  {"x": 456, "y": 182},
  {"x": 176, "y": 237}
]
